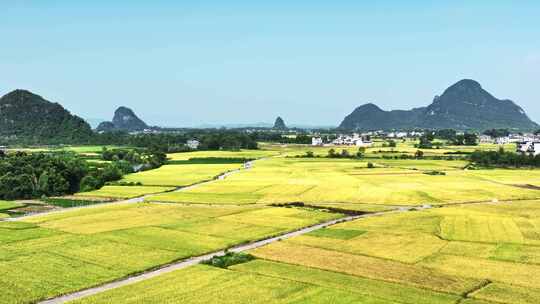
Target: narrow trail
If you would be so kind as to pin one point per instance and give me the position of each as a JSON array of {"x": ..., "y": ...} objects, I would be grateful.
[{"x": 198, "y": 259}]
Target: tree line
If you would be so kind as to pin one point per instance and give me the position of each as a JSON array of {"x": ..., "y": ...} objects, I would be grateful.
[
  {"x": 33, "y": 175},
  {"x": 502, "y": 158},
  {"x": 451, "y": 136}
]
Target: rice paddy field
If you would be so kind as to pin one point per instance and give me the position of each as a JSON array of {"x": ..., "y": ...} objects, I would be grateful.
[
  {"x": 481, "y": 253},
  {"x": 344, "y": 181},
  {"x": 122, "y": 192},
  {"x": 48, "y": 255},
  {"x": 378, "y": 150},
  {"x": 248, "y": 154},
  {"x": 472, "y": 238},
  {"x": 485, "y": 251},
  {"x": 179, "y": 175},
  {"x": 6, "y": 205}
]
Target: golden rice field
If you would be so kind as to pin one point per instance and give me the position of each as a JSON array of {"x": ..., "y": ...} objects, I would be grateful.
[
  {"x": 248, "y": 154},
  {"x": 179, "y": 175},
  {"x": 378, "y": 150},
  {"x": 336, "y": 181},
  {"x": 428, "y": 256},
  {"x": 49, "y": 255},
  {"x": 480, "y": 244},
  {"x": 121, "y": 192},
  {"x": 454, "y": 250}
]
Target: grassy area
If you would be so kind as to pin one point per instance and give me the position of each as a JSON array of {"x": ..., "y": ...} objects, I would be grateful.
[
  {"x": 7, "y": 205},
  {"x": 121, "y": 192},
  {"x": 48, "y": 255},
  {"x": 323, "y": 181}
]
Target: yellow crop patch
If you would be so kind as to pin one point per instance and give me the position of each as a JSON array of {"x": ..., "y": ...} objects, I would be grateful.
[
  {"x": 364, "y": 266},
  {"x": 123, "y": 191}
]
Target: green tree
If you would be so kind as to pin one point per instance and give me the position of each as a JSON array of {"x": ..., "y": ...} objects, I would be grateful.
[{"x": 332, "y": 153}]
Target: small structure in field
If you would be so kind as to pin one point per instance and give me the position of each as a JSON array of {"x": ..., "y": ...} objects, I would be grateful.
[
  {"x": 193, "y": 144},
  {"x": 316, "y": 141},
  {"x": 485, "y": 139}
]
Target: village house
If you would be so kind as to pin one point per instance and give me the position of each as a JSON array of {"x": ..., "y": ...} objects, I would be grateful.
[
  {"x": 529, "y": 147},
  {"x": 355, "y": 140},
  {"x": 316, "y": 141},
  {"x": 517, "y": 139},
  {"x": 485, "y": 139},
  {"x": 502, "y": 140},
  {"x": 416, "y": 134},
  {"x": 193, "y": 144},
  {"x": 397, "y": 134}
]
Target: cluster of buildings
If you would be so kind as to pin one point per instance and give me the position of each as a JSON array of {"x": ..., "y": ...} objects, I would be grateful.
[
  {"x": 344, "y": 140},
  {"x": 525, "y": 143},
  {"x": 403, "y": 134},
  {"x": 510, "y": 139},
  {"x": 529, "y": 147},
  {"x": 193, "y": 144}
]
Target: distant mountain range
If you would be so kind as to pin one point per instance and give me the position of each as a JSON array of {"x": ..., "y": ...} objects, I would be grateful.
[
  {"x": 463, "y": 106},
  {"x": 28, "y": 117}
]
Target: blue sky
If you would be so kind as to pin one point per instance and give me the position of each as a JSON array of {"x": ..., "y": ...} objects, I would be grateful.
[{"x": 179, "y": 63}]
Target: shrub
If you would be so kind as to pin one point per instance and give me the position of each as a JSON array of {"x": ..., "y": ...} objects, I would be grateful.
[
  {"x": 229, "y": 259},
  {"x": 434, "y": 172}
]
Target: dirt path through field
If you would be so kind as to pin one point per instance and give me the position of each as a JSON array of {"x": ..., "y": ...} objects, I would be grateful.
[{"x": 198, "y": 259}]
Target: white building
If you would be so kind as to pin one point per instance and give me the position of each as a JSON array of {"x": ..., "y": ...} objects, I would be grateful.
[
  {"x": 529, "y": 147},
  {"x": 355, "y": 140},
  {"x": 416, "y": 134},
  {"x": 363, "y": 141},
  {"x": 502, "y": 140},
  {"x": 316, "y": 141},
  {"x": 485, "y": 139},
  {"x": 193, "y": 144}
]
